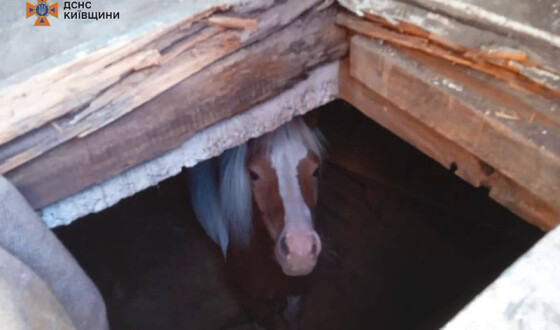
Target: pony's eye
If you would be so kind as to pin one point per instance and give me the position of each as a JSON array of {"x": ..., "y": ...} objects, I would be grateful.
[
  {"x": 254, "y": 176},
  {"x": 316, "y": 172}
]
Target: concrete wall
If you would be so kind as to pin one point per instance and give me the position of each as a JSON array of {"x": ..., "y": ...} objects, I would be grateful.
[{"x": 525, "y": 297}]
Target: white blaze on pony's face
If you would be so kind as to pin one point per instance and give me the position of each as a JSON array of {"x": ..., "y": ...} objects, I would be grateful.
[{"x": 284, "y": 190}]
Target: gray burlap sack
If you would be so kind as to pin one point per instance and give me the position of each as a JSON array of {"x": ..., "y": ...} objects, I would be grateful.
[{"x": 42, "y": 257}]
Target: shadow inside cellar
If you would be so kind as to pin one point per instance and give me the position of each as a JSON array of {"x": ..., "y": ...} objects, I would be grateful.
[{"x": 406, "y": 243}]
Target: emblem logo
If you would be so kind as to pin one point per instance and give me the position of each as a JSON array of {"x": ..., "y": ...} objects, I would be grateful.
[{"x": 42, "y": 10}]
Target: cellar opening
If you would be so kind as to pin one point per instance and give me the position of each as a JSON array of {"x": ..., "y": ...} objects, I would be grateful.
[{"x": 406, "y": 243}]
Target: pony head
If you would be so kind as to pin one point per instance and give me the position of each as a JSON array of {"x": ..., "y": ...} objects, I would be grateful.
[{"x": 272, "y": 182}]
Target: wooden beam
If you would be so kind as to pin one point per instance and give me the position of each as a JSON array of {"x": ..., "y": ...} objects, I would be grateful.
[
  {"x": 504, "y": 66},
  {"x": 318, "y": 88},
  {"x": 77, "y": 85},
  {"x": 90, "y": 93},
  {"x": 527, "y": 99},
  {"x": 225, "y": 88},
  {"x": 469, "y": 167},
  {"x": 438, "y": 22},
  {"x": 462, "y": 105}
]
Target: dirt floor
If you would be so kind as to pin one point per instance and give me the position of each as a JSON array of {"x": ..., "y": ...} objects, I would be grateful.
[{"x": 406, "y": 244}]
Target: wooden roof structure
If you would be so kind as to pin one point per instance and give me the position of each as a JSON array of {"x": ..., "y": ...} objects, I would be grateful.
[
  {"x": 92, "y": 118},
  {"x": 474, "y": 84},
  {"x": 478, "y": 101}
]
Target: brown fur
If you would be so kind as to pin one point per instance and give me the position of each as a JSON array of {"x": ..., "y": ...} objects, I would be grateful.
[{"x": 262, "y": 284}]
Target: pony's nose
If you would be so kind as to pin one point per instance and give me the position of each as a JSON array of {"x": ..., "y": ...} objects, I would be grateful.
[{"x": 300, "y": 245}]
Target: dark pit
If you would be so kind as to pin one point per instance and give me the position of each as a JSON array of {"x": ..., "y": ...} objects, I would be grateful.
[{"x": 407, "y": 244}]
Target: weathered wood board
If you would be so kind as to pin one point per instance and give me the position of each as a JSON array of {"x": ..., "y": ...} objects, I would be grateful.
[
  {"x": 29, "y": 50},
  {"x": 474, "y": 84},
  {"x": 493, "y": 135},
  {"x": 98, "y": 89},
  {"x": 462, "y": 102},
  {"x": 300, "y": 40},
  {"x": 523, "y": 35},
  {"x": 467, "y": 166},
  {"x": 320, "y": 87}
]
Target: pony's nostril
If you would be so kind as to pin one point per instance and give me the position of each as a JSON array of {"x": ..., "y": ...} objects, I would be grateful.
[
  {"x": 315, "y": 246},
  {"x": 284, "y": 246}
]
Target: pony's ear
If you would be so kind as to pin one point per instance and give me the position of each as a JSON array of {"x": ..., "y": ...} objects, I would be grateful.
[{"x": 311, "y": 119}]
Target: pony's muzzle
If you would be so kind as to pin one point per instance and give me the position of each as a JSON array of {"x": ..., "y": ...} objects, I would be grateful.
[{"x": 297, "y": 252}]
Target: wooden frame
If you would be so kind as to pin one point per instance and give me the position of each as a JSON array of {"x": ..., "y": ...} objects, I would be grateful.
[
  {"x": 466, "y": 96},
  {"x": 153, "y": 94},
  {"x": 488, "y": 112}
]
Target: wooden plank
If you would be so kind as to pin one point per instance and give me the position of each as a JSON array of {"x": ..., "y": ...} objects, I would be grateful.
[
  {"x": 92, "y": 92},
  {"x": 234, "y": 22},
  {"x": 504, "y": 66},
  {"x": 76, "y": 85},
  {"x": 525, "y": 150},
  {"x": 319, "y": 87},
  {"x": 468, "y": 166},
  {"x": 69, "y": 39},
  {"x": 228, "y": 87},
  {"x": 412, "y": 17}
]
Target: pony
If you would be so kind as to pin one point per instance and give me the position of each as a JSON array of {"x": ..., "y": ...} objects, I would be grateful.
[{"x": 257, "y": 203}]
